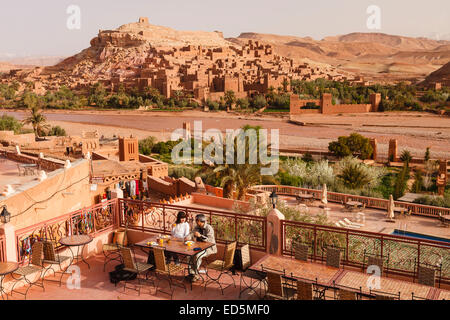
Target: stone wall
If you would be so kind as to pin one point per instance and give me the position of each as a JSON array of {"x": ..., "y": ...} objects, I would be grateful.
[{"x": 64, "y": 191}]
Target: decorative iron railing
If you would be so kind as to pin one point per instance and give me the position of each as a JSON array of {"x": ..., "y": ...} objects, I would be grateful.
[
  {"x": 159, "y": 218},
  {"x": 402, "y": 253},
  {"x": 2, "y": 248},
  {"x": 90, "y": 220},
  {"x": 376, "y": 203}
]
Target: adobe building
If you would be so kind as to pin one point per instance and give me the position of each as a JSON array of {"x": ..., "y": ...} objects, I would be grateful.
[{"x": 325, "y": 106}]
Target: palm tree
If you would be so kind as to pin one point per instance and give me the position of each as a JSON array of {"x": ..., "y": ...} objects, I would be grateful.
[
  {"x": 354, "y": 176},
  {"x": 38, "y": 121},
  {"x": 236, "y": 179},
  {"x": 406, "y": 157}
]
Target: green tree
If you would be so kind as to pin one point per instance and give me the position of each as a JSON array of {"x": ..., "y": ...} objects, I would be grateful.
[
  {"x": 406, "y": 157},
  {"x": 146, "y": 145},
  {"x": 259, "y": 102},
  {"x": 418, "y": 182},
  {"x": 230, "y": 98},
  {"x": 98, "y": 95},
  {"x": 243, "y": 103},
  {"x": 354, "y": 176},
  {"x": 355, "y": 145},
  {"x": 37, "y": 121},
  {"x": 401, "y": 182},
  {"x": 427, "y": 154}
]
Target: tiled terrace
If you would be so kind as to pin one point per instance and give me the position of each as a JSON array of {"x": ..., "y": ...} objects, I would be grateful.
[{"x": 95, "y": 285}]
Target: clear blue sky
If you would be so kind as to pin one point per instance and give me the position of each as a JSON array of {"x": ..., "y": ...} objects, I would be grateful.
[{"x": 39, "y": 27}]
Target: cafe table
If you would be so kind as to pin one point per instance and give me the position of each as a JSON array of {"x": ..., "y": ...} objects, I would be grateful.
[
  {"x": 306, "y": 197},
  {"x": 307, "y": 271},
  {"x": 5, "y": 269},
  {"x": 79, "y": 241},
  {"x": 173, "y": 245}
]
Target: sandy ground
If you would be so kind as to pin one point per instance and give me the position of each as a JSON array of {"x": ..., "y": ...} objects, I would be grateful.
[{"x": 414, "y": 131}]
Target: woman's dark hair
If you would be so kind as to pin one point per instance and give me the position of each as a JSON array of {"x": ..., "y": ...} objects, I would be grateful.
[{"x": 181, "y": 215}]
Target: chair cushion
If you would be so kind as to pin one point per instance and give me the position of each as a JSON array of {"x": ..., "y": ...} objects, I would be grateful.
[
  {"x": 254, "y": 275},
  {"x": 110, "y": 247},
  {"x": 217, "y": 265},
  {"x": 58, "y": 260},
  {"x": 27, "y": 270}
]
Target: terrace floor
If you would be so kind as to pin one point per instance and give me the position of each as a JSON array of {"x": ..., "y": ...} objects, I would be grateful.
[
  {"x": 95, "y": 285},
  {"x": 376, "y": 219},
  {"x": 9, "y": 174}
]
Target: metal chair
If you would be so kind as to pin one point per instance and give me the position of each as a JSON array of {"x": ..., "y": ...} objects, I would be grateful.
[
  {"x": 347, "y": 295},
  {"x": 167, "y": 270},
  {"x": 133, "y": 266},
  {"x": 223, "y": 266},
  {"x": 254, "y": 276},
  {"x": 35, "y": 265},
  {"x": 300, "y": 251},
  {"x": 277, "y": 288},
  {"x": 52, "y": 258},
  {"x": 305, "y": 290},
  {"x": 380, "y": 295},
  {"x": 333, "y": 257},
  {"x": 111, "y": 251},
  {"x": 376, "y": 260}
]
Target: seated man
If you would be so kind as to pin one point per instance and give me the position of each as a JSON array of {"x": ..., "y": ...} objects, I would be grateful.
[{"x": 201, "y": 232}]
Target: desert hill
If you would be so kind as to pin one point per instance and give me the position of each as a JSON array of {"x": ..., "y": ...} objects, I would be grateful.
[
  {"x": 392, "y": 56},
  {"x": 441, "y": 75}
]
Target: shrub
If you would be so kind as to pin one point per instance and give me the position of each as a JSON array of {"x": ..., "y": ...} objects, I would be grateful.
[
  {"x": 355, "y": 144},
  {"x": 57, "y": 131},
  {"x": 10, "y": 124},
  {"x": 146, "y": 145}
]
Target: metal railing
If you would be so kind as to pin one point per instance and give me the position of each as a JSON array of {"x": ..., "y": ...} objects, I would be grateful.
[
  {"x": 375, "y": 203},
  {"x": 91, "y": 220},
  {"x": 159, "y": 218},
  {"x": 2, "y": 248},
  {"x": 403, "y": 253}
]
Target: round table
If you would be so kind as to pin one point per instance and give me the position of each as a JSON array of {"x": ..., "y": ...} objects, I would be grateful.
[
  {"x": 305, "y": 197},
  {"x": 5, "y": 269},
  {"x": 78, "y": 241}
]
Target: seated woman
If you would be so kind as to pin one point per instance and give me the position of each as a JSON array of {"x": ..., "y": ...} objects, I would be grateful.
[{"x": 180, "y": 231}]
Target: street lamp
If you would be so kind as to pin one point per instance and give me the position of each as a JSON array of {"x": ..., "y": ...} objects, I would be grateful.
[
  {"x": 6, "y": 216},
  {"x": 273, "y": 198}
]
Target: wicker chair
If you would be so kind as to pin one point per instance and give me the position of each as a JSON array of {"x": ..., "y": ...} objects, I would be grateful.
[
  {"x": 52, "y": 258},
  {"x": 133, "y": 266},
  {"x": 111, "y": 251},
  {"x": 277, "y": 287},
  {"x": 333, "y": 257},
  {"x": 255, "y": 277},
  {"x": 426, "y": 276},
  {"x": 380, "y": 295},
  {"x": 375, "y": 260},
  {"x": 347, "y": 295},
  {"x": 35, "y": 265},
  {"x": 166, "y": 272},
  {"x": 223, "y": 266},
  {"x": 305, "y": 290},
  {"x": 300, "y": 251}
]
